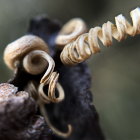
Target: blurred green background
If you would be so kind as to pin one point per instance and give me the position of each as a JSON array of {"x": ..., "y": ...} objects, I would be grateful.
[{"x": 115, "y": 71}]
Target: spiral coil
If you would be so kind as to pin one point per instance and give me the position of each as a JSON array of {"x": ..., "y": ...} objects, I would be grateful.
[
  {"x": 53, "y": 84},
  {"x": 31, "y": 64},
  {"x": 87, "y": 44}
]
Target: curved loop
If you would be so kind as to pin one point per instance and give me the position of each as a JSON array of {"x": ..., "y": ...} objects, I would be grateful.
[
  {"x": 36, "y": 62},
  {"x": 70, "y": 31},
  {"x": 33, "y": 62},
  {"x": 55, "y": 130},
  {"x": 51, "y": 97},
  {"x": 16, "y": 50},
  {"x": 87, "y": 44}
]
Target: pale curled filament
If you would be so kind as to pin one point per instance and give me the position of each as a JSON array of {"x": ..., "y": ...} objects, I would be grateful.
[
  {"x": 87, "y": 44},
  {"x": 36, "y": 62},
  {"x": 32, "y": 62},
  {"x": 53, "y": 85},
  {"x": 55, "y": 130},
  {"x": 70, "y": 31},
  {"x": 35, "y": 93},
  {"x": 15, "y": 51}
]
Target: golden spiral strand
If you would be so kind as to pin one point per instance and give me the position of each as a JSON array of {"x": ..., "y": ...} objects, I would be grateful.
[
  {"x": 53, "y": 84},
  {"x": 87, "y": 44},
  {"x": 30, "y": 63}
]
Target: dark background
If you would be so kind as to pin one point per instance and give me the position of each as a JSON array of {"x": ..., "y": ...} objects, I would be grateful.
[{"x": 115, "y": 71}]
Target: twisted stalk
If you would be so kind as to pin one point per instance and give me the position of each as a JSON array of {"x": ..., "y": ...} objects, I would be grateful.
[{"x": 87, "y": 44}]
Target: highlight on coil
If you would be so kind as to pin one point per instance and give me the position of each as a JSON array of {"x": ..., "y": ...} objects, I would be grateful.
[{"x": 83, "y": 46}]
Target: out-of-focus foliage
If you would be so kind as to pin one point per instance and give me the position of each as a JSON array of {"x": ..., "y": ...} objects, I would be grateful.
[{"x": 115, "y": 71}]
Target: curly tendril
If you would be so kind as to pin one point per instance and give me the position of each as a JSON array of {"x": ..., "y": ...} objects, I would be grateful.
[
  {"x": 33, "y": 62},
  {"x": 87, "y": 44}
]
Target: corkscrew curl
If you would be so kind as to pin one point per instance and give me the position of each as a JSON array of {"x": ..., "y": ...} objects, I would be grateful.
[
  {"x": 71, "y": 30},
  {"x": 51, "y": 90},
  {"x": 87, "y": 44},
  {"x": 49, "y": 78}
]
